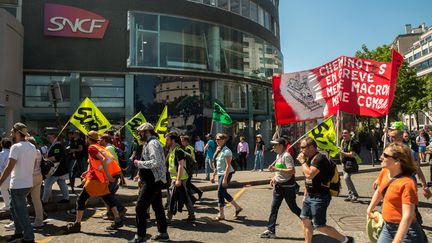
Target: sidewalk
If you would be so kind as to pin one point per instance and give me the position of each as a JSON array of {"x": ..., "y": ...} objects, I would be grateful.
[{"x": 128, "y": 194}]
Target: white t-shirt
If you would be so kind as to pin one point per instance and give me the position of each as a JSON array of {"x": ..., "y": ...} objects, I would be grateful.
[{"x": 22, "y": 174}]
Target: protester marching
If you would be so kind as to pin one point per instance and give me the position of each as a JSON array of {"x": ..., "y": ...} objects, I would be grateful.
[{"x": 166, "y": 168}]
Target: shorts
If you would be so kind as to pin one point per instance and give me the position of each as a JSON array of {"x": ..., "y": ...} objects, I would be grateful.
[
  {"x": 421, "y": 149},
  {"x": 315, "y": 208}
]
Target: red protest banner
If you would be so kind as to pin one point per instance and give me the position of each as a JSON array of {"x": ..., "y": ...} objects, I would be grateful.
[{"x": 353, "y": 85}]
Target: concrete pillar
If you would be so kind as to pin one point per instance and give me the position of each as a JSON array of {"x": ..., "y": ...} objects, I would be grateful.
[
  {"x": 214, "y": 47},
  {"x": 75, "y": 93},
  {"x": 129, "y": 103},
  {"x": 251, "y": 123}
]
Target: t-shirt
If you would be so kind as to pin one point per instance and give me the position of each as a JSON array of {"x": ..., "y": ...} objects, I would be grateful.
[
  {"x": 348, "y": 146},
  {"x": 283, "y": 161},
  {"x": 4, "y": 159},
  {"x": 323, "y": 165},
  {"x": 199, "y": 146},
  {"x": 57, "y": 150},
  {"x": 22, "y": 174},
  {"x": 260, "y": 145},
  {"x": 221, "y": 162},
  {"x": 210, "y": 148},
  {"x": 402, "y": 191},
  {"x": 421, "y": 141},
  {"x": 37, "y": 167},
  {"x": 75, "y": 144}
]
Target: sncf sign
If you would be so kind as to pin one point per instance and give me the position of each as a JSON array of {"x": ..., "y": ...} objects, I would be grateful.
[{"x": 66, "y": 21}]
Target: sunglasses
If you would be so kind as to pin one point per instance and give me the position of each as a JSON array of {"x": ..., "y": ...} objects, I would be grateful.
[
  {"x": 303, "y": 147},
  {"x": 388, "y": 156}
]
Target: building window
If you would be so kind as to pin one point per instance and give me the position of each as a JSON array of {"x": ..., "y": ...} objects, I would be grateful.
[
  {"x": 259, "y": 98},
  {"x": 233, "y": 95},
  {"x": 223, "y": 4},
  {"x": 36, "y": 90},
  {"x": 210, "y": 2},
  {"x": 235, "y": 6},
  {"x": 254, "y": 11},
  {"x": 245, "y": 8},
  {"x": 261, "y": 16},
  {"x": 104, "y": 91}
]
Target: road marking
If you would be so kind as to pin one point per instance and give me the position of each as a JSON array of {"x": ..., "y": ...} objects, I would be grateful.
[{"x": 237, "y": 195}]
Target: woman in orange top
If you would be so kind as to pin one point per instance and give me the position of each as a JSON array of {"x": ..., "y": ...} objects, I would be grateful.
[{"x": 400, "y": 197}]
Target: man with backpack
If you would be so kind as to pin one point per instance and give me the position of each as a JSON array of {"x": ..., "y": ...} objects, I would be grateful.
[
  {"x": 191, "y": 164},
  {"x": 349, "y": 155},
  {"x": 178, "y": 192},
  {"x": 318, "y": 171}
]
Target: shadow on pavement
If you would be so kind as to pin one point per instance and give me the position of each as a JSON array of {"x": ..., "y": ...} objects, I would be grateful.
[
  {"x": 289, "y": 238},
  {"x": 323, "y": 238},
  {"x": 203, "y": 224},
  {"x": 248, "y": 222}
]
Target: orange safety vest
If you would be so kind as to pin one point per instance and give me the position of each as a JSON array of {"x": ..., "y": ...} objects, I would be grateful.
[{"x": 112, "y": 165}]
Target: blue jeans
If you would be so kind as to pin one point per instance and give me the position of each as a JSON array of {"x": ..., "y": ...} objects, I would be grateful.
[
  {"x": 414, "y": 234},
  {"x": 259, "y": 161},
  {"x": 279, "y": 194},
  {"x": 315, "y": 208},
  {"x": 49, "y": 181},
  {"x": 18, "y": 209},
  {"x": 208, "y": 166},
  {"x": 222, "y": 191}
]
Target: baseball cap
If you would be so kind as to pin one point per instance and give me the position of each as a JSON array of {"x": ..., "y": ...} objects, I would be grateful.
[
  {"x": 278, "y": 141},
  {"x": 145, "y": 127}
]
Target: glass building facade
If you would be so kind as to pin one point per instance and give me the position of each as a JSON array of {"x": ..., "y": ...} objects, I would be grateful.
[
  {"x": 160, "y": 41},
  {"x": 186, "y": 55}
]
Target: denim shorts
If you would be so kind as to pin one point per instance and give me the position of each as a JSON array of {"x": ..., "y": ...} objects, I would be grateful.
[
  {"x": 421, "y": 149},
  {"x": 414, "y": 234},
  {"x": 315, "y": 208}
]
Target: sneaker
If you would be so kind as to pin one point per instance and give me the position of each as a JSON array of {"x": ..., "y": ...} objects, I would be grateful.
[
  {"x": 348, "y": 199},
  {"x": 354, "y": 198},
  {"x": 73, "y": 228},
  {"x": 268, "y": 235},
  {"x": 64, "y": 201},
  {"x": 161, "y": 237},
  {"x": 10, "y": 226},
  {"x": 15, "y": 238},
  {"x": 4, "y": 208},
  {"x": 191, "y": 218},
  {"x": 116, "y": 225},
  {"x": 137, "y": 239},
  {"x": 350, "y": 239},
  {"x": 37, "y": 226},
  {"x": 261, "y": 170}
]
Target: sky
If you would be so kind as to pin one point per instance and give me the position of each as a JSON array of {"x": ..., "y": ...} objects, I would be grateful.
[{"x": 314, "y": 32}]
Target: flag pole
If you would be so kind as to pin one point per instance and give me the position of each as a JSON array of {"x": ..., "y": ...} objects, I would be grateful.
[
  {"x": 386, "y": 131},
  {"x": 338, "y": 124},
  {"x": 211, "y": 127}
]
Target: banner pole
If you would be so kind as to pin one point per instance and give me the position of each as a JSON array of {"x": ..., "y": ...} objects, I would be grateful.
[
  {"x": 338, "y": 124},
  {"x": 386, "y": 131}
]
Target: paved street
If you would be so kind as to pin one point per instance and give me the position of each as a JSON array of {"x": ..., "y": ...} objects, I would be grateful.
[{"x": 256, "y": 200}]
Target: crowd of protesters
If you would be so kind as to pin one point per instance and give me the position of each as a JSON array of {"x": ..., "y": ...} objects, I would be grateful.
[{"x": 30, "y": 166}]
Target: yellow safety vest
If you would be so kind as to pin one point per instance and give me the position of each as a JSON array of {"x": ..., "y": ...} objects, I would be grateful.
[
  {"x": 172, "y": 168},
  {"x": 356, "y": 156}
]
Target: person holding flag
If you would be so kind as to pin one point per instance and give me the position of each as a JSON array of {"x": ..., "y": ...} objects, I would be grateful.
[{"x": 101, "y": 170}]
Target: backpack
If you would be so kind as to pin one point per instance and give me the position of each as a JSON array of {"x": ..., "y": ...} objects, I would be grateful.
[
  {"x": 334, "y": 182},
  {"x": 190, "y": 164}
]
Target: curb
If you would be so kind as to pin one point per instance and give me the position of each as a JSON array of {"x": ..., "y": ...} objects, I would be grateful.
[{"x": 129, "y": 199}]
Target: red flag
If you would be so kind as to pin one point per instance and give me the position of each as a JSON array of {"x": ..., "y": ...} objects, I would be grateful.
[{"x": 353, "y": 85}]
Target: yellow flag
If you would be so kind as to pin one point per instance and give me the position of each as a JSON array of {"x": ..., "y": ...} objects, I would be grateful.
[
  {"x": 88, "y": 117},
  {"x": 325, "y": 136},
  {"x": 134, "y": 123},
  {"x": 162, "y": 125}
]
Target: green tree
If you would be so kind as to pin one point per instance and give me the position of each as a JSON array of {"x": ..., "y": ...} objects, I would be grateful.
[{"x": 412, "y": 92}]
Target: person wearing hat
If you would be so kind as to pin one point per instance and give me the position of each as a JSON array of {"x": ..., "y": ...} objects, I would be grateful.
[
  {"x": 22, "y": 157},
  {"x": 209, "y": 150},
  {"x": 152, "y": 173},
  {"x": 97, "y": 177},
  {"x": 259, "y": 153},
  {"x": 283, "y": 184},
  {"x": 56, "y": 154}
]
